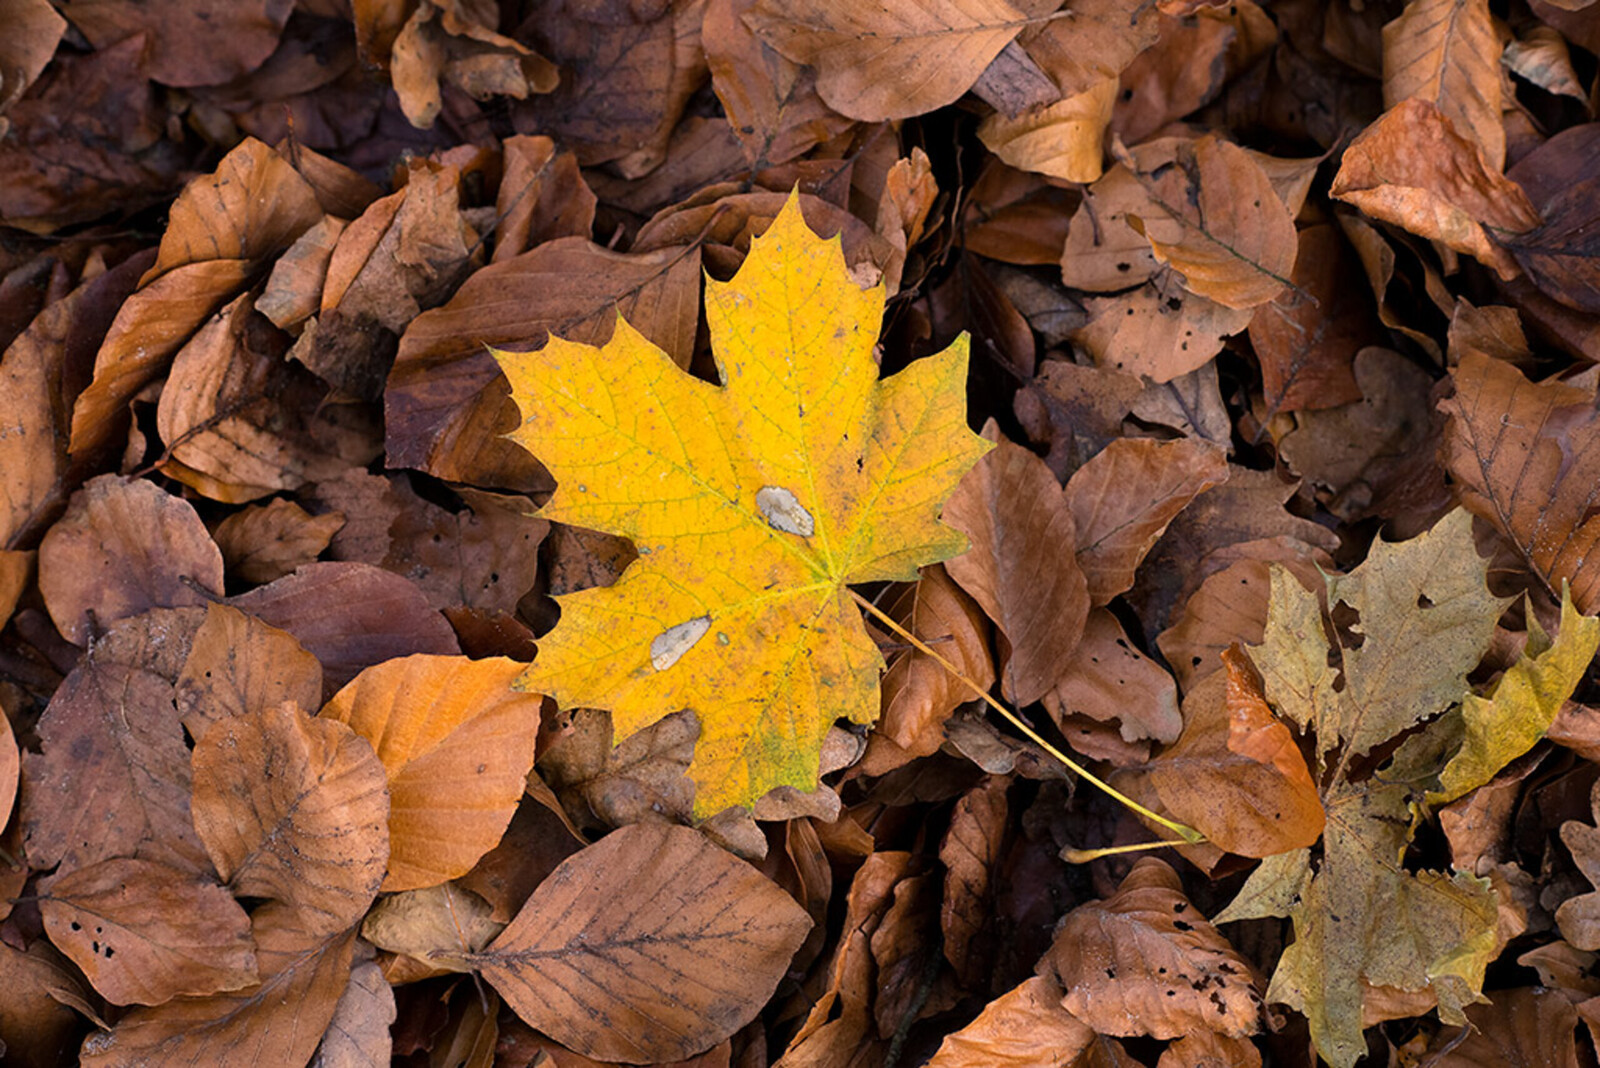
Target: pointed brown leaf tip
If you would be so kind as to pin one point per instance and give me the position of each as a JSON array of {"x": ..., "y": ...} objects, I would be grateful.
[{"x": 650, "y": 945}]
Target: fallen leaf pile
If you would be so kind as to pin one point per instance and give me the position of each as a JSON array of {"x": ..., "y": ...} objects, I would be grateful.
[{"x": 508, "y": 511}]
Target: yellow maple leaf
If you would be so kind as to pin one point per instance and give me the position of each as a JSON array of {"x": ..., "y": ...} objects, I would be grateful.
[{"x": 752, "y": 505}]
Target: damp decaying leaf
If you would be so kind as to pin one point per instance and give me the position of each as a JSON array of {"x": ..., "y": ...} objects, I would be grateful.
[{"x": 737, "y": 605}]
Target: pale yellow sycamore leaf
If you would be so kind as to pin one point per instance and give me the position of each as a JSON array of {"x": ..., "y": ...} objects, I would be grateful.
[{"x": 751, "y": 503}]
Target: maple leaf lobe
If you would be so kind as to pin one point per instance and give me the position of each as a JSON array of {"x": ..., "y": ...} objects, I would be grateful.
[{"x": 753, "y": 504}]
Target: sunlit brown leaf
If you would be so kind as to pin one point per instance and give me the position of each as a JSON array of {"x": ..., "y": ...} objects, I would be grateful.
[
  {"x": 919, "y": 693},
  {"x": 1123, "y": 499},
  {"x": 350, "y": 616},
  {"x": 1221, "y": 225},
  {"x": 1060, "y": 139},
  {"x": 144, "y": 933},
  {"x": 264, "y": 542},
  {"x": 1448, "y": 53},
  {"x": 1145, "y": 962},
  {"x": 123, "y": 547},
  {"x": 295, "y": 809},
  {"x": 649, "y": 945},
  {"x": 1527, "y": 457},
  {"x": 1413, "y": 169},
  {"x": 1023, "y": 1028},
  {"x": 447, "y": 405},
  {"x": 772, "y": 102},
  {"x": 1236, "y": 774},
  {"x": 304, "y": 971},
  {"x": 238, "y": 664},
  {"x": 457, "y": 742},
  {"x": 893, "y": 60},
  {"x": 1020, "y": 567},
  {"x": 1111, "y": 681}
]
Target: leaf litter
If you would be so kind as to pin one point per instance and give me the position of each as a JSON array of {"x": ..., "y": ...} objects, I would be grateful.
[{"x": 498, "y": 565}]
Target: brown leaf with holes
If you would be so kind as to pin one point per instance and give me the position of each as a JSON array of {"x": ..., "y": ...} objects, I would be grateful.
[
  {"x": 1237, "y": 774},
  {"x": 304, "y": 970},
  {"x": 1019, "y": 567},
  {"x": 295, "y": 809},
  {"x": 121, "y": 548},
  {"x": 457, "y": 742},
  {"x": 1109, "y": 680},
  {"x": 650, "y": 945},
  {"x": 1526, "y": 457},
  {"x": 144, "y": 933},
  {"x": 238, "y": 664},
  {"x": 1146, "y": 962}
]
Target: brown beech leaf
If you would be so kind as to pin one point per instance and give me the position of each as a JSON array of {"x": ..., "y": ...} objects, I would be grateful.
[
  {"x": 1448, "y": 53},
  {"x": 36, "y": 29},
  {"x": 1207, "y": 1049},
  {"x": 16, "y": 575},
  {"x": 114, "y": 725},
  {"x": 1122, "y": 500},
  {"x": 1527, "y": 1027},
  {"x": 238, "y": 664},
  {"x": 893, "y": 60},
  {"x": 359, "y": 1035},
  {"x": 1025, "y": 1027},
  {"x": 447, "y": 405},
  {"x": 1159, "y": 330},
  {"x": 264, "y": 542},
  {"x": 1307, "y": 337},
  {"x": 542, "y": 197},
  {"x": 350, "y": 616},
  {"x": 1098, "y": 41},
  {"x": 1145, "y": 962},
  {"x": 1104, "y": 253},
  {"x": 437, "y": 925},
  {"x": 40, "y": 984},
  {"x": 1222, "y": 225},
  {"x": 295, "y": 809},
  {"x": 1236, "y": 774},
  {"x": 189, "y": 44},
  {"x": 144, "y": 933},
  {"x": 121, "y": 548},
  {"x": 10, "y": 768},
  {"x": 1060, "y": 139},
  {"x": 1562, "y": 256},
  {"x": 1413, "y": 169},
  {"x": 650, "y": 945},
  {"x": 1109, "y": 680},
  {"x": 457, "y": 742},
  {"x": 304, "y": 971},
  {"x": 293, "y": 292},
  {"x": 1527, "y": 457},
  {"x": 919, "y": 693},
  {"x": 771, "y": 102},
  {"x": 1020, "y": 567},
  {"x": 971, "y": 852},
  {"x": 251, "y": 207},
  {"x": 228, "y": 416},
  {"x": 484, "y": 556}
]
